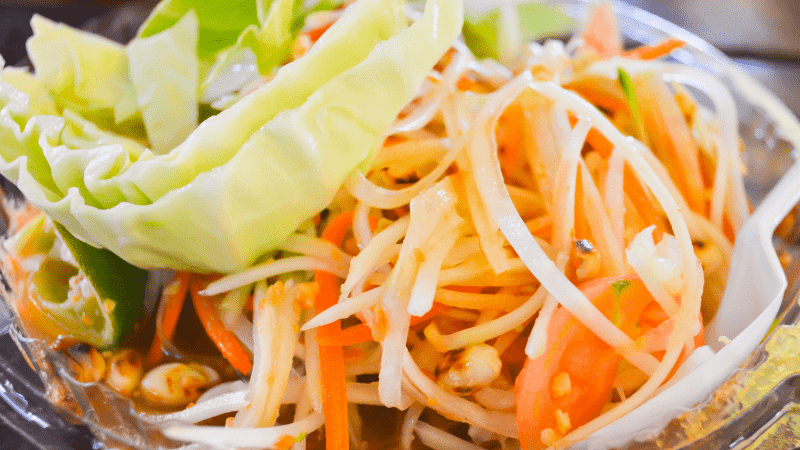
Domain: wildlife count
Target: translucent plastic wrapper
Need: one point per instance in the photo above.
(711, 402)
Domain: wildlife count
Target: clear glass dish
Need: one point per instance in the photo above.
(757, 407)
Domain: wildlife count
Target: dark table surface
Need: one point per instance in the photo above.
(761, 35)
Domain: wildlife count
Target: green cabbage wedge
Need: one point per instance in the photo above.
(244, 179)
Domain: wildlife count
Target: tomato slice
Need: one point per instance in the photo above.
(570, 383)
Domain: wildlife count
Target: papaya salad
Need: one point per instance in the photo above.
(392, 235)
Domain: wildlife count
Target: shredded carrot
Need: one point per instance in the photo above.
(541, 227)
(634, 222)
(391, 140)
(663, 48)
(599, 143)
(354, 354)
(727, 228)
(172, 296)
(512, 129)
(334, 401)
(597, 91)
(596, 140)
(361, 333)
(436, 310)
(582, 228)
(226, 341)
(284, 443)
(642, 202)
(317, 33)
(465, 83)
(469, 289)
(671, 138)
(356, 334)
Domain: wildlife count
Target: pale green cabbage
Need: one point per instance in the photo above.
(220, 21)
(164, 70)
(269, 45)
(245, 178)
(88, 72)
(155, 84)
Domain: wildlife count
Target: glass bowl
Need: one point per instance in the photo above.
(757, 407)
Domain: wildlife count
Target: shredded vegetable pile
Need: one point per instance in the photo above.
(528, 248)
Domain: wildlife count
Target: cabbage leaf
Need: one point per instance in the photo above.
(220, 21)
(185, 52)
(486, 37)
(246, 178)
(89, 73)
(269, 46)
(164, 70)
(225, 24)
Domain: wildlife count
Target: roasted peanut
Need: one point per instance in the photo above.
(124, 371)
(468, 370)
(175, 385)
(87, 363)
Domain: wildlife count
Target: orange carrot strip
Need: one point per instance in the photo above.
(465, 83)
(598, 95)
(513, 122)
(642, 202)
(634, 221)
(172, 296)
(356, 334)
(334, 401)
(436, 309)
(582, 228)
(226, 341)
(671, 138)
(331, 339)
(284, 443)
(596, 140)
(361, 333)
(540, 226)
(727, 228)
(318, 32)
(469, 289)
(599, 143)
(663, 48)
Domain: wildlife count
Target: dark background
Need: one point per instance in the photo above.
(763, 36)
